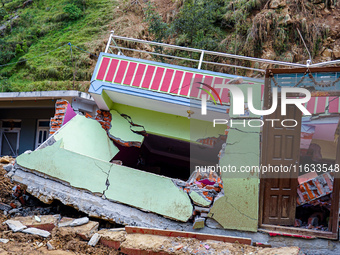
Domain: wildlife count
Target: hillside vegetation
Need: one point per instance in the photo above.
(34, 34)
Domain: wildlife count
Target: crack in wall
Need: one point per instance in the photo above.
(101, 168)
(233, 143)
(242, 131)
(107, 182)
(239, 210)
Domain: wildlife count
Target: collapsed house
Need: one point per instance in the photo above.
(150, 156)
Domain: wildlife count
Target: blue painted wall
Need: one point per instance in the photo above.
(29, 118)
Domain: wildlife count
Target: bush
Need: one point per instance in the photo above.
(72, 11)
(3, 13)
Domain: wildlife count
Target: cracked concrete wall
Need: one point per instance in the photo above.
(120, 130)
(169, 125)
(149, 192)
(238, 208)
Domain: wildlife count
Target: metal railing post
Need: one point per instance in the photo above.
(109, 41)
(201, 60)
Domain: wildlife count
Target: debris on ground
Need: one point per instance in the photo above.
(94, 240)
(30, 229)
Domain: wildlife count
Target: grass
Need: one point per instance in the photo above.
(44, 26)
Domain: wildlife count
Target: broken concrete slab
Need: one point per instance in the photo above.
(149, 192)
(50, 246)
(87, 137)
(8, 167)
(15, 225)
(198, 223)
(143, 190)
(69, 222)
(2, 240)
(120, 131)
(94, 240)
(36, 231)
(65, 222)
(199, 200)
(47, 190)
(79, 222)
(201, 209)
(47, 222)
(78, 170)
(84, 230)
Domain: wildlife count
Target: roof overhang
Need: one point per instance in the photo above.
(161, 87)
(43, 99)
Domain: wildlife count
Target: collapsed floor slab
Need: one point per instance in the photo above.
(47, 190)
(149, 192)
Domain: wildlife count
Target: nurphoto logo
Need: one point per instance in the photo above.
(238, 104)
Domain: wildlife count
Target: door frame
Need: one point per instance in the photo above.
(334, 211)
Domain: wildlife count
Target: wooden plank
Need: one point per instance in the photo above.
(297, 232)
(199, 236)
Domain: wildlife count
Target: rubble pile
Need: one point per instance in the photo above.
(203, 188)
(5, 184)
(207, 184)
(314, 201)
(315, 188)
(53, 232)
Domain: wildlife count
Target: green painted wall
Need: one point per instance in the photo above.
(238, 208)
(150, 192)
(86, 136)
(167, 125)
(78, 170)
(136, 188)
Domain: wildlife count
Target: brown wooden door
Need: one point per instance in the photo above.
(333, 224)
(281, 147)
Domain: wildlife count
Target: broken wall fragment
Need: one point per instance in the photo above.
(238, 208)
(87, 137)
(129, 186)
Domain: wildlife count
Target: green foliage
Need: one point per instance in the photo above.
(159, 29)
(72, 11)
(5, 85)
(3, 13)
(44, 26)
(18, 50)
(24, 47)
(196, 23)
(7, 51)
